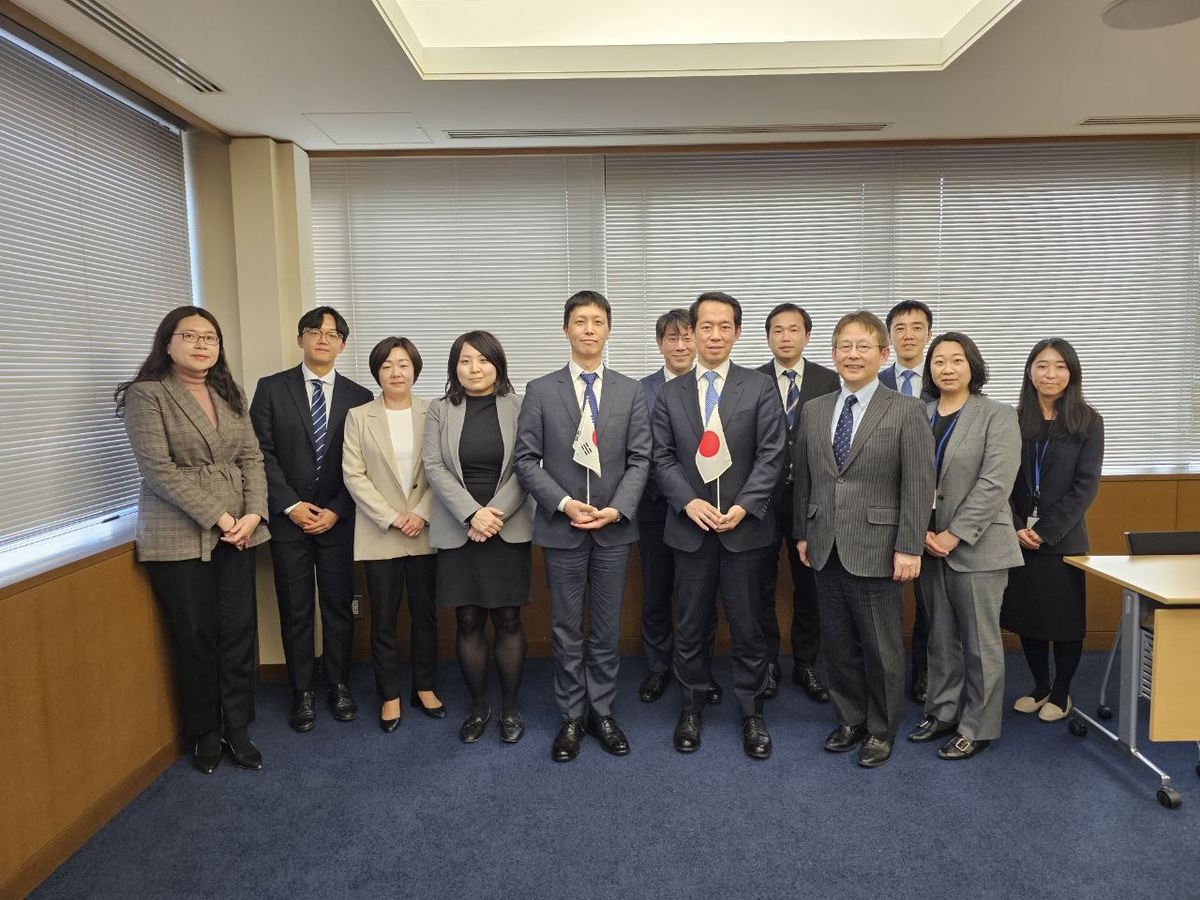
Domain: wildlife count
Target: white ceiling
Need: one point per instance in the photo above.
(318, 72)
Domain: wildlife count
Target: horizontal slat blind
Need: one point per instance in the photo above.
(93, 252)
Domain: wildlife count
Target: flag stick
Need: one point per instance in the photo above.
(587, 474)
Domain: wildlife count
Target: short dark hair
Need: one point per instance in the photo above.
(1074, 415)
(866, 319)
(676, 318)
(979, 369)
(315, 318)
(381, 351)
(715, 297)
(792, 308)
(908, 306)
(584, 298)
(490, 349)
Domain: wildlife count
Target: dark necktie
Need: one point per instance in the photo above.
(843, 432)
(792, 405)
(320, 420)
(589, 394)
(906, 388)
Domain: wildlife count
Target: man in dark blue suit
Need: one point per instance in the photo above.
(299, 416)
(673, 335)
(718, 450)
(797, 380)
(583, 453)
(910, 329)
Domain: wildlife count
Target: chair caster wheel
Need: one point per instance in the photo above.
(1169, 797)
(1104, 712)
(1077, 728)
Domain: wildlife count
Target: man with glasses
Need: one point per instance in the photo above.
(864, 483)
(300, 415)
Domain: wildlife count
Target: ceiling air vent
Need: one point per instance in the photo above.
(1142, 120)
(120, 28)
(482, 134)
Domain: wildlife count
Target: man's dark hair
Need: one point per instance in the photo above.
(586, 298)
(315, 318)
(676, 319)
(715, 297)
(908, 306)
(792, 308)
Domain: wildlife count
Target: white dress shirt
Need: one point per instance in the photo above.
(859, 409)
(702, 384)
(784, 383)
(916, 380)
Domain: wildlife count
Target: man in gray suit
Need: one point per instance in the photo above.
(583, 453)
(863, 464)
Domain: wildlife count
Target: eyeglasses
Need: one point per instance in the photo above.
(191, 337)
(318, 333)
(861, 347)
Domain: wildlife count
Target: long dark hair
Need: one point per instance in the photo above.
(490, 349)
(1072, 414)
(979, 369)
(158, 364)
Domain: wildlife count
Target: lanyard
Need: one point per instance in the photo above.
(1038, 456)
(941, 447)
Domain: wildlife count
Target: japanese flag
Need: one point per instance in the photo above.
(587, 451)
(712, 456)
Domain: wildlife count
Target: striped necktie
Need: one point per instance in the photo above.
(793, 397)
(320, 420)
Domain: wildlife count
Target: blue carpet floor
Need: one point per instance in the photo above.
(347, 811)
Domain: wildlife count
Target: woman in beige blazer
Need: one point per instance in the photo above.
(381, 464)
(202, 500)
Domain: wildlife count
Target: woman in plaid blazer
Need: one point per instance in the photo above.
(202, 501)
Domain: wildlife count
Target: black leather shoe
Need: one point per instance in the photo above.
(930, 728)
(845, 738)
(807, 679)
(687, 731)
(874, 752)
(434, 712)
(755, 739)
(919, 686)
(512, 727)
(566, 743)
(609, 734)
(960, 747)
(341, 702)
(714, 695)
(773, 676)
(474, 726)
(303, 717)
(242, 749)
(653, 686)
(206, 755)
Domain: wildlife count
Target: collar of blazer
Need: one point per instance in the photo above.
(874, 414)
(735, 383)
(609, 389)
(302, 397)
(966, 416)
(195, 413)
(507, 409)
(381, 435)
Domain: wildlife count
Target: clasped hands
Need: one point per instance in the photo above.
(312, 519)
(1029, 539)
(238, 531)
(709, 518)
(485, 524)
(587, 517)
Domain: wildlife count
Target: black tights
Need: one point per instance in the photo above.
(1066, 661)
(508, 648)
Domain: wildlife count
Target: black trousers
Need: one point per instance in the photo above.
(301, 568)
(658, 588)
(806, 613)
(213, 619)
(388, 580)
(739, 578)
(920, 632)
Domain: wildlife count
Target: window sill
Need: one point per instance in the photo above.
(44, 559)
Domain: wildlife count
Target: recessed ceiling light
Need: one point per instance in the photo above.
(1136, 15)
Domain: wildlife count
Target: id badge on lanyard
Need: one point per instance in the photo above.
(1038, 456)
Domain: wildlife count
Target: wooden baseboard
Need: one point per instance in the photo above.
(38, 867)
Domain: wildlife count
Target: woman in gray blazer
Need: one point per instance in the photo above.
(482, 524)
(201, 505)
(969, 548)
(381, 466)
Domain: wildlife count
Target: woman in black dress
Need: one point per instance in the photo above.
(1061, 459)
(482, 525)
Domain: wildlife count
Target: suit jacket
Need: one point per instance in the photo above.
(371, 478)
(752, 419)
(653, 507)
(192, 473)
(283, 422)
(816, 381)
(979, 465)
(453, 505)
(887, 377)
(879, 504)
(546, 468)
(1070, 480)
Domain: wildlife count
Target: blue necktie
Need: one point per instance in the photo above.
(589, 395)
(843, 432)
(711, 397)
(793, 397)
(906, 388)
(319, 420)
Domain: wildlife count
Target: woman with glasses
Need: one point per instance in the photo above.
(1061, 460)
(381, 464)
(201, 505)
(482, 525)
(969, 549)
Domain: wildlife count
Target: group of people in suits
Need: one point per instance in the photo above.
(871, 475)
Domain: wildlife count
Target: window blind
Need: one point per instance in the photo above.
(93, 252)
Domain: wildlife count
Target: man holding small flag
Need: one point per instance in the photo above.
(719, 442)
